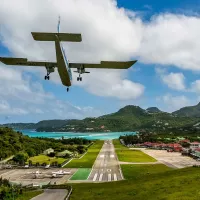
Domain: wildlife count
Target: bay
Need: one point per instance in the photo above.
(89, 136)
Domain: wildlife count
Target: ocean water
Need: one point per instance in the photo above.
(89, 136)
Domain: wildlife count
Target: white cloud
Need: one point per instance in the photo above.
(174, 81)
(21, 96)
(172, 103)
(172, 39)
(195, 86)
(111, 84)
(6, 109)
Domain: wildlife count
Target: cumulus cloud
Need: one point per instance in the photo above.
(195, 86)
(21, 96)
(172, 103)
(172, 39)
(174, 81)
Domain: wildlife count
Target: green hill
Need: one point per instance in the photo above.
(153, 110)
(129, 118)
(190, 111)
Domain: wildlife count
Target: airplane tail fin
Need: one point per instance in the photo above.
(58, 24)
(67, 37)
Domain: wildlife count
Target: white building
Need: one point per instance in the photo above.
(48, 151)
(194, 145)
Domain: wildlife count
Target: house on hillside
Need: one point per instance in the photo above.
(64, 153)
(184, 141)
(89, 129)
(48, 151)
(175, 147)
(194, 145)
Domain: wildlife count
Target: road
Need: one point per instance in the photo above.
(52, 194)
(106, 166)
(5, 160)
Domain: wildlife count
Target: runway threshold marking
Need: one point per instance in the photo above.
(100, 177)
(115, 177)
(112, 156)
(95, 177)
(101, 156)
(109, 177)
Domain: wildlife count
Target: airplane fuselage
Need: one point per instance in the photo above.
(62, 64)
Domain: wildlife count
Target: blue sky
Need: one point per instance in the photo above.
(158, 35)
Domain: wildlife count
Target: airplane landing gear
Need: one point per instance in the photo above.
(49, 70)
(79, 78)
(67, 89)
(47, 77)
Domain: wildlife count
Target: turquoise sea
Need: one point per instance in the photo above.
(90, 136)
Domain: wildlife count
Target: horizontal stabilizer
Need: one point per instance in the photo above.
(25, 62)
(67, 37)
(104, 65)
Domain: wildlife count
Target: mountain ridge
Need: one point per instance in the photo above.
(128, 118)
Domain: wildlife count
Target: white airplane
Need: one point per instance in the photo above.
(63, 65)
(61, 172)
(47, 166)
(36, 173)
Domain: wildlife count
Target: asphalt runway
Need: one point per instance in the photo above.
(106, 167)
(58, 194)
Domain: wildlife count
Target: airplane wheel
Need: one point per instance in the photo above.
(48, 77)
(45, 77)
(80, 78)
(67, 89)
(77, 78)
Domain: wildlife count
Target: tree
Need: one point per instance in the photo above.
(31, 152)
(186, 145)
(81, 149)
(52, 154)
(30, 163)
(20, 157)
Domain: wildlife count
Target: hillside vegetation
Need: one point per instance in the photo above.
(12, 143)
(129, 118)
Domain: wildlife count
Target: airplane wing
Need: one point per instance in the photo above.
(104, 65)
(25, 62)
(67, 37)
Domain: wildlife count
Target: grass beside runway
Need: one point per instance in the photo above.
(144, 182)
(127, 155)
(46, 159)
(89, 158)
(29, 195)
(81, 174)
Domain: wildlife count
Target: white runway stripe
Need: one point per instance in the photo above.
(101, 156)
(112, 156)
(115, 177)
(100, 177)
(109, 177)
(95, 177)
